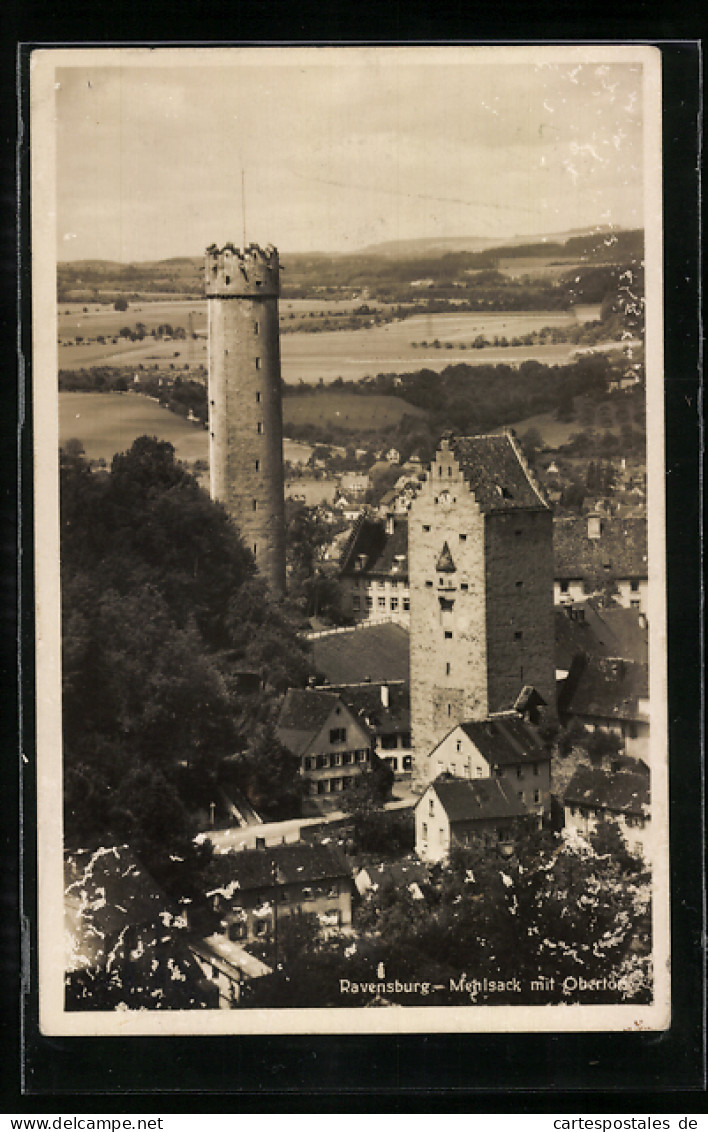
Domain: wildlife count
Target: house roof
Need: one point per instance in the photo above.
(400, 873)
(600, 632)
(303, 714)
(480, 799)
(620, 551)
(378, 549)
(608, 689)
(497, 473)
(505, 740)
(379, 652)
(622, 792)
(365, 701)
(301, 862)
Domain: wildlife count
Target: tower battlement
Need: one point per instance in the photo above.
(228, 271)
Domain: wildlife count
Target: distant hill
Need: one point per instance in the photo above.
(430, 245)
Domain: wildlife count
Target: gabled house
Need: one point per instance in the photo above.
(333, 745)
(503, 747)
(385, 709)
(595, 795)
(594, 553)
(374, 571)
(457, 811)
(609, 694)
(255, 890)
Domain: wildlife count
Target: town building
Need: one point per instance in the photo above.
(481, 585)
(503, 747)
(256, 890)
(457, 811)
(332, 744)
(228, 966)
(594, 795)
(596, 554)
(245, 400)
(589, 629)
(611, 695)
(374, 571)
(385, 709)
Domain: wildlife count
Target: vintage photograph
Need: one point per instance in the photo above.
(347, 380)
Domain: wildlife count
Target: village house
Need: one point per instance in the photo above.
(256, 890)
(458, 811)
(611, 695)
(374, 571)
(595, 795)
(333, 745)
(503, 747)
(385, 709)
(596, 553)
(228, 966)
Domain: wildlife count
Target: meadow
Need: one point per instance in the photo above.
(311, 358)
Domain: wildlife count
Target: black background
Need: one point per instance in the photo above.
(516, 1073)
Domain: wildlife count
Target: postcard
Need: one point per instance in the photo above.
(350, 553)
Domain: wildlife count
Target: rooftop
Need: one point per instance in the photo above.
(600, 632)
(299, 863)
(303, 714)
(484, 798)
(365, 700)
(622, 792)
(505, 740)
(620, 551)
(368, 652)
(371, 550)
(497, 473)
(607, 688)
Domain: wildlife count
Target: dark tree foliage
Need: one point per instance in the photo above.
(161, 608)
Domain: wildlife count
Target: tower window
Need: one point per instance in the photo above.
(448, 634)
(255, 549)
(258, 465)
(426, 526)
(463, 538)
(518, 635)
(255, 328)
(255, 504)
(259, 427)
(449, 470)
(464, 586)
(258, 363)
(519, 584)
(227, 279)
(447, 673)
(258, 398)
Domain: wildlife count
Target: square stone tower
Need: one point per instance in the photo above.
(481, 586)
(245, 400)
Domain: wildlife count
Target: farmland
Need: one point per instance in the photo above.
(422, 340)
(348, 411)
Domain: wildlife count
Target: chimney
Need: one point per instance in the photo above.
(594, 526)
(385, 698)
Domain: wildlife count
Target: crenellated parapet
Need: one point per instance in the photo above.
(230, 272)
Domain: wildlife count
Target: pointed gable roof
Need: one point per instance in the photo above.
(497, 473)
(484, 798)
(304, 713)
(445, 563)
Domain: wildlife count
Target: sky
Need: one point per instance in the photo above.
(339, 148)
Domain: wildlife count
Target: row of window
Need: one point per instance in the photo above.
(381, 583)
(332, 785)
(631, 821)
(338, 758)
(381, 603)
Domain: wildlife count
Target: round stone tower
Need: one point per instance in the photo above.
(245, 405)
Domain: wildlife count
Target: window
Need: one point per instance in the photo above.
(564, 587)
(519, 584)
(447, 673)
(369, 601)
(255, 328)
(407, 762)
(261, 927)
(394, 603)
(426, 527)
(255, 504)
(258, 397)
(323, 786)
(537, 796)
(536, 769)
(389, 742)
(499, 771)
(634, 603)
(381, 603)
(356, 603)
(519, 772)
(478, 771)
(347, 758)
(518, 532)
(406, 604)
(424, 831)
(362, 756)
(310, 762)
(381, 584)
(258, 363)
(255, 549)
(258, 465)
(431, 806)
(429, 584)
(518, 635)
(336, 784)
(335, 759)
(448, 635)
(259, 428)
(464, 586)
(237, 930)
(322, 761)
(463, 538)
(449, 706)
(337, 734)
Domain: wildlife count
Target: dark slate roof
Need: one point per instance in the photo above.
(400, 873)
(303, 714)
(299, 863)
(497, 473)
(379, 549)
(365, 701)
(480, 799)
(376, 652)
(505, 740)
(609, 689)
(621, 793)
(600, 632)
(619, 552)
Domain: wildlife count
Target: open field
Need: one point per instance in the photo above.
(107, 423)
(608, 415)
(350, 354)
(346, 410)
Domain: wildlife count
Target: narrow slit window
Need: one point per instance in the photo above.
(258, 363)
(259, 427)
